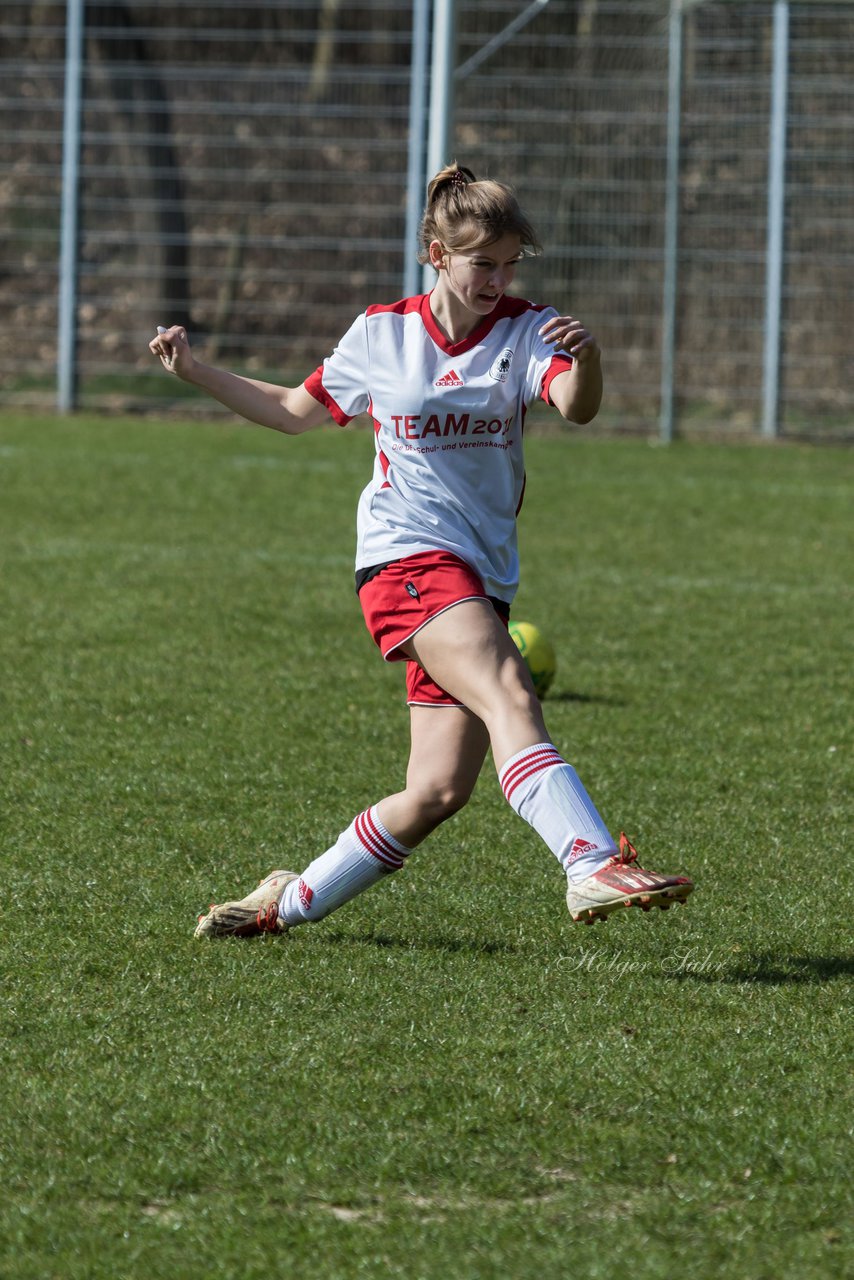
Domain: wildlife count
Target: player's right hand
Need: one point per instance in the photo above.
(172, 347)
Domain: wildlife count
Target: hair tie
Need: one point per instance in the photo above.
(458, 180)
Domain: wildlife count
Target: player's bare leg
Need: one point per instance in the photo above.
(468, 652)
(448, 746)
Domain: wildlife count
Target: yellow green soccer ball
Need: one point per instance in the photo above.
(538, 654)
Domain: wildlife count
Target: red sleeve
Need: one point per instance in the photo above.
(314, 386)
(559, 364)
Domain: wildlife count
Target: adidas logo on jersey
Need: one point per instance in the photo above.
(451, 379)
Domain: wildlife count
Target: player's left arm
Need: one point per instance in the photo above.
(577, 393)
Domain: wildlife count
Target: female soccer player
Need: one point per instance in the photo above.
(447, 378)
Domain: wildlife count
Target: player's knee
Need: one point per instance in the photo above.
(442, 800)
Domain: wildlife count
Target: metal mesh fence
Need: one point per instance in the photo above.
(243, 169)
(723, 228)
(574, 111)
(818, 364)
(723, 180)
(240, 172)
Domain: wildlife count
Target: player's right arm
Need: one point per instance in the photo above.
(288, 409)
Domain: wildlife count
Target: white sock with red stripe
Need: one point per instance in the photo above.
(550, 796)
(361, 856)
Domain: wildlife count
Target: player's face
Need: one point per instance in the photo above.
(480, 277)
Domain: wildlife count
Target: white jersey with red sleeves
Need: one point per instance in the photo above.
(448, 419)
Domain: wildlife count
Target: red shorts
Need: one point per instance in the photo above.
(407, 594)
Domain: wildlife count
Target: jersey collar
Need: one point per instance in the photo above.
(506, 307)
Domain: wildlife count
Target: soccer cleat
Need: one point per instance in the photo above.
(257, 913)
(621, 883)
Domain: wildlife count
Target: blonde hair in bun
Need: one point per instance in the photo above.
(466, 213)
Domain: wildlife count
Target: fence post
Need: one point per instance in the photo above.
(498, 41)
(417, 138)
(68, 250)
(443, 75)
(671, 221)
(776, 220)
(441, 121)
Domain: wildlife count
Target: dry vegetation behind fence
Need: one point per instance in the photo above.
(244, 170)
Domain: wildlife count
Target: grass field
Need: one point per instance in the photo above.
(446, 1079)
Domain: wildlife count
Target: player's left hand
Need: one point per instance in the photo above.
(568, 334)
(172, 347)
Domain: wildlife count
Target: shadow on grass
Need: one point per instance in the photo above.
(763, 968)
(767, 969)
(426, 942)
(594, 699)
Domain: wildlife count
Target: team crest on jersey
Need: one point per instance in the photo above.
(451, 379)
(501, 367)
